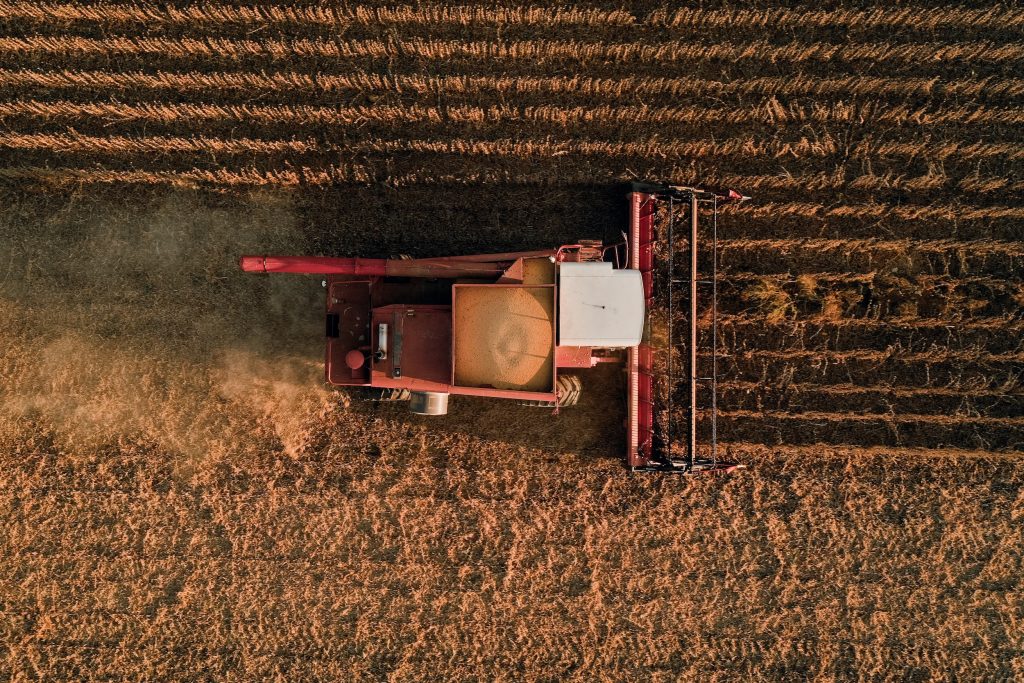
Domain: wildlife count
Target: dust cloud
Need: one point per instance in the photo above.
(133, 321)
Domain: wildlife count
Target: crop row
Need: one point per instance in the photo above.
(942, 368)
(769, 112)
(648, 148)
(337, 18)
(919, 18)
(223, 162)
(899, 257)
(914, 431)
(290, 83)
(871, 295)
(161, 164)
(751, 332)
(878, 400)
(73, 142)
(537, 52)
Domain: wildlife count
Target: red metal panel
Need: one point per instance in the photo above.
(574, 356)
(694, 207)
(505, 256)
(349, 301)
(325, 265)
(318, 265)
(505, 393)
(419, 340)
(486, 392)
(640, 362)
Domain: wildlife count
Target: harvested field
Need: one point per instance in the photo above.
(183, 498)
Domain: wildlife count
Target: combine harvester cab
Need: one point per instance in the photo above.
(516, 325)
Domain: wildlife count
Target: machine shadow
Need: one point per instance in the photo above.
(592, 430)
(453, 220)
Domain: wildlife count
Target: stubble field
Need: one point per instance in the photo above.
(183, 499)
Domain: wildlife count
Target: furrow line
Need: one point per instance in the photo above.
(334, 18)
(881, 389)
(918, 18)
(331, 174)
(824, 146)
(876, 211)
(291, 82)
(905, 246)
(854, 417)
(769, 112)
(534, 51)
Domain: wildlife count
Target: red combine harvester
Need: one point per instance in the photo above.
(522, 325)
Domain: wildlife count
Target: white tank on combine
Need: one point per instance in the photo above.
(599, 305)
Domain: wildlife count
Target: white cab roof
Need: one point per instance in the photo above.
(599, 305)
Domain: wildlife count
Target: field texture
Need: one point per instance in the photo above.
(182, 499)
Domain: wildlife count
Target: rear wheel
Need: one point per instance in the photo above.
(569, 388)
(377, 395)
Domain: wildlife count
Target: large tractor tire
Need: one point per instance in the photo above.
(376, 395)
(569, 389)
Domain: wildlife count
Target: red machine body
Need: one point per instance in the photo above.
(514, 325)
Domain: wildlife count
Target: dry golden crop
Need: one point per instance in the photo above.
(183, 499)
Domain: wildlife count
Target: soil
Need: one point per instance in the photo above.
(182, 497)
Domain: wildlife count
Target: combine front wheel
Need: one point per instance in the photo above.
(569, 388)
(381, 395)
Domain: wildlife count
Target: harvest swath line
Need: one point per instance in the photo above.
(591, 478)
(331, 18)
(290, 82)
(646, 149)
(331, 174)
(918, 18)
(940, 355)
(873, 417)
(882, 389)
(354, 172)
(535, 51)
(875, 400)
(767, 112)
(335, 18)
(878, 211)
(905, 246)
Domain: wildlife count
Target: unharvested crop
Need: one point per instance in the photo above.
(182, 498)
